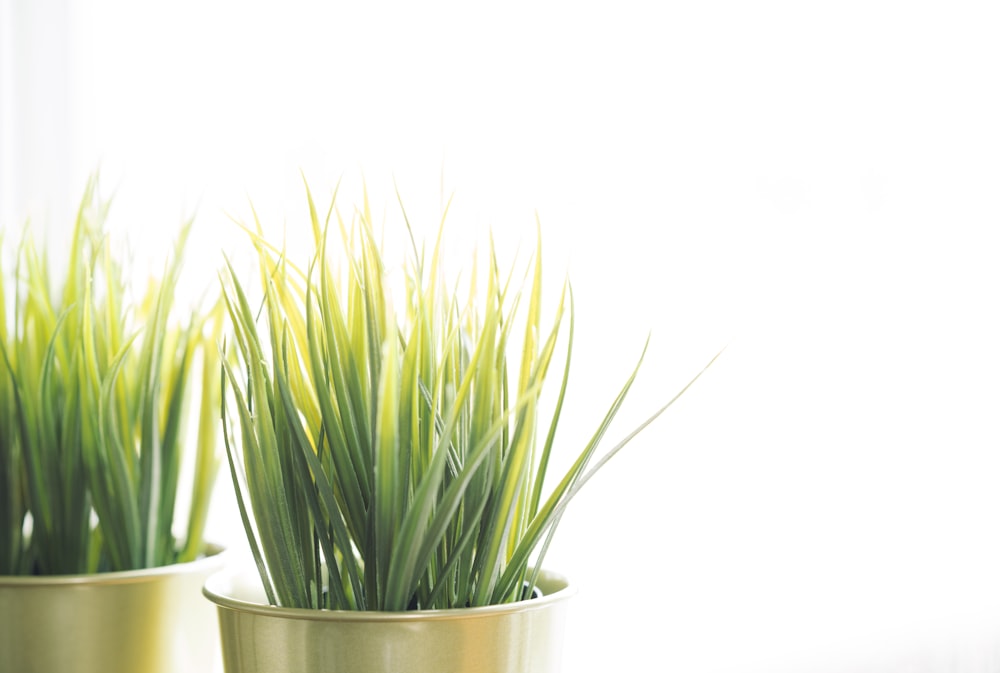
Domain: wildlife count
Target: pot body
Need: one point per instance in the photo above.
(153, 621)
(524, 637)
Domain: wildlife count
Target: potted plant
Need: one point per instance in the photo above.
(94, 388)
(390, 456)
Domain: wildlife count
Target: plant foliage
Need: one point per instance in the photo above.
(394, 457)
(93, 402)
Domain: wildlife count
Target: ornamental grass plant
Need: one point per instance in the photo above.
(95, 385)
(390, 451)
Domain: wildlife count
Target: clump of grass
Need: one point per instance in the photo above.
(394, 456)
(93, 400)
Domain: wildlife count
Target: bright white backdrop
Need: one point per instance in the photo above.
(814, 185)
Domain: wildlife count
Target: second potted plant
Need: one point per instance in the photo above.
(95, 573)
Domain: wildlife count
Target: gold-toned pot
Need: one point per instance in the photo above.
(138, 621)
(524, 637)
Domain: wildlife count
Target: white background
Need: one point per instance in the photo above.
(812, 184)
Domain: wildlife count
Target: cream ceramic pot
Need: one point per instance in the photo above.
(523, 637)
(138, 621)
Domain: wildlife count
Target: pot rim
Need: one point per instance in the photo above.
(214, 553)
(218, 590)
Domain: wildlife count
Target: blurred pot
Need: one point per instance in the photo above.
(523, 637)
(150, 620)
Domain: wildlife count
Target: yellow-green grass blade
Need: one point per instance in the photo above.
(207, 457)
(415, 523)
(278, 551)
(451, 498)
(151, 449)
(544, 518)
(347, 468)
(176, 377)
(545, 524)
(341, 368)
(320, 499)
(388, 501)
(263, 467)
(239, 484)
(543, 462)
(114, 480)
(290, 433)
